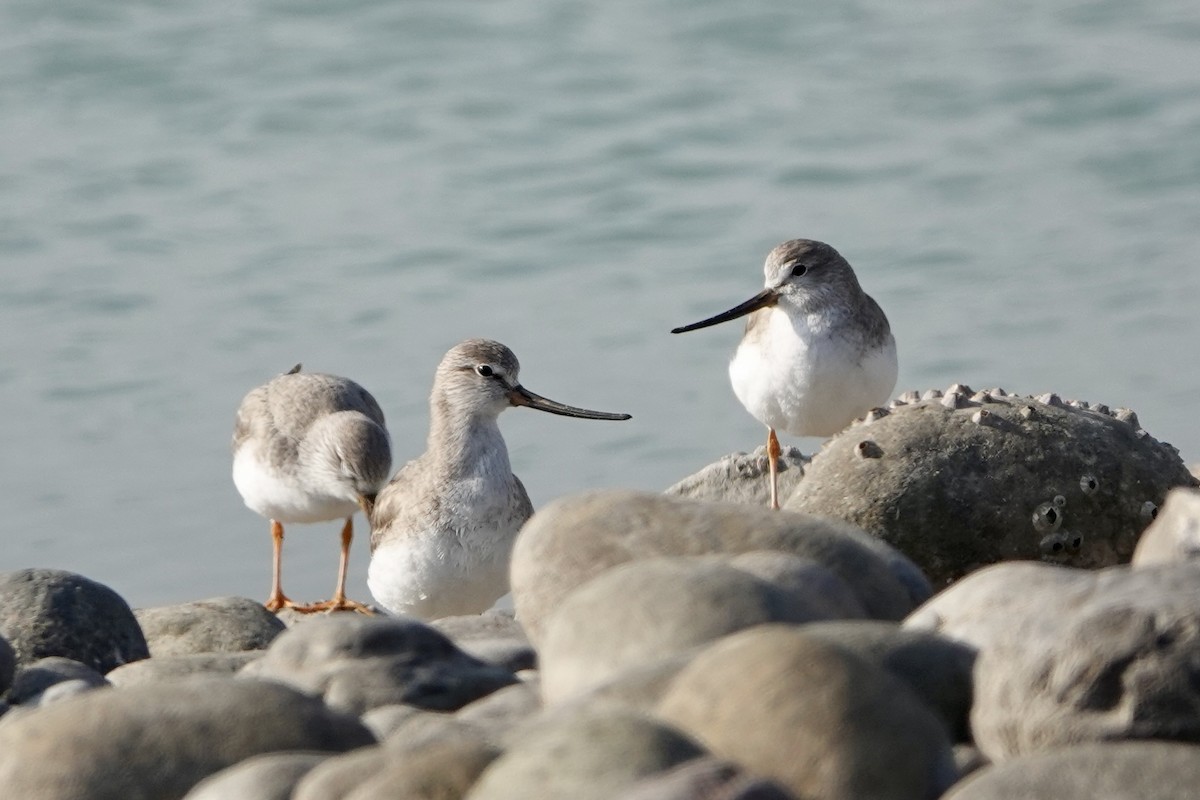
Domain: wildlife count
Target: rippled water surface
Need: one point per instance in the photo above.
(194, 197)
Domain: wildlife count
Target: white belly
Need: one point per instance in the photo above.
(287, 497)
(432, 575)
(807, 382)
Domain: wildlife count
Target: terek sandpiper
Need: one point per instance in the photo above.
(817, 352)
(310, 448)
(443, 528)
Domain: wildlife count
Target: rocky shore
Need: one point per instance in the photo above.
(969, 595)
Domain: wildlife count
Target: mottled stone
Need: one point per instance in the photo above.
(705, 778)
(637, 688)
(990, 477)
(821, 592)
(998, 600)
(494, 637)
(590, 755)
(268, 777)
(937, 669)
(219, 625)
(35, 678)
(427, 759)
(424, 727)
(160, 668)
(574, 539)
(155, 742)
(1095, 771)
(502, 710)
(1067, 656)
(357, 663)
(743, 478)
(647, 610)
(818, 719)
(438, 770)
(335, 778)
(49, 612)
(1174, 535)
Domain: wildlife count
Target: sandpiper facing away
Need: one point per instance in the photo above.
(442, 530)
(817, 352)
(310, 448)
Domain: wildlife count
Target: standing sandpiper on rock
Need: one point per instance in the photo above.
(442, 530)
(817, 352)
(310, 448)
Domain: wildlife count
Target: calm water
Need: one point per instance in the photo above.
(196, 197)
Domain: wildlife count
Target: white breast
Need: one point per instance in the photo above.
(454, 561)
(802, 377)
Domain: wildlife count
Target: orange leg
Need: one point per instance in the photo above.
(773, 453)
(339, 601)
(278, 599)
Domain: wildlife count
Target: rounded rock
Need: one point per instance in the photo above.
(219, 625)
(383, 721)
(49, 612)
(34, 679)
(437, 770)
(812, 716)
(647, 610)
(161, 668)
(937, 669)
(954, 495)
(502, 710)
(338, 776)
(494, 637)
(267, 777)
(157, 741)
(63, 690)
(427, 727)
(705, 778)
(634, 689)
(590, 755)
(976, 609)
(435, 761)
(1068, 656)
(1118, 770)
(357, 663)
(575, 538)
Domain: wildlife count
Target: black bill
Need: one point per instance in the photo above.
(520, 396)
(766, 297)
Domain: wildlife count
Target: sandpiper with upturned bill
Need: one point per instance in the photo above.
(817, 351)
(309, 447)
(442, 530)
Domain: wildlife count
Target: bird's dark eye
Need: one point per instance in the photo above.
(485, 370)
(798, 270)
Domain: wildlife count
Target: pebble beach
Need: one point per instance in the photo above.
(984, 587)
(689, 644)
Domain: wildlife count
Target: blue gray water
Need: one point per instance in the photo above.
(194, 197)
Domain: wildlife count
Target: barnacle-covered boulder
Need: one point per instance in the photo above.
(959, 479)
